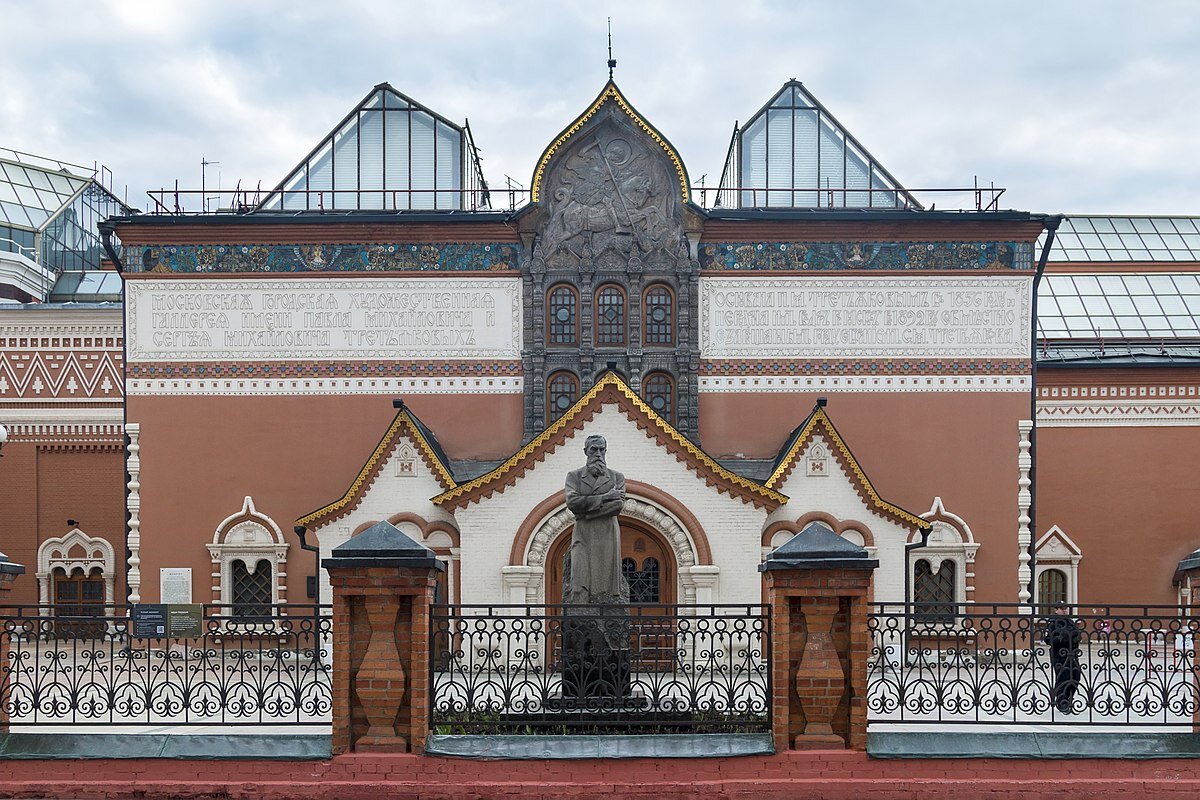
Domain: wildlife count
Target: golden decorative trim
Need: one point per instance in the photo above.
(820, 419)
(610, 92)
(402, 423)
(611, 380)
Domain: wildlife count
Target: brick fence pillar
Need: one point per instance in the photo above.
(818, 586)
(383, 583)
(8, 573)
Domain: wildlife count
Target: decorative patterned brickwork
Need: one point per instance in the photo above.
(380, 657)
(867, 367)
(819, 256)
(403, 257)
(240, 370)
(820, 649)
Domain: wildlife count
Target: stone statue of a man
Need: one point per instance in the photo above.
(595, 495)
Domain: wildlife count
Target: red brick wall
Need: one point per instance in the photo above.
(831, 775)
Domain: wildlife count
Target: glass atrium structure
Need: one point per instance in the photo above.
(389, 153)
(794, 154)
(49, 213)
(1092, 238)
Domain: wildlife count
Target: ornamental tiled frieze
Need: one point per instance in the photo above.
(404, 257)
(767, 256)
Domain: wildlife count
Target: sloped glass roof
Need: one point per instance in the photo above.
(1126, 306)
(794, 154)
(389, 153)
(1097, 238)
(90, 286)
(30, 195)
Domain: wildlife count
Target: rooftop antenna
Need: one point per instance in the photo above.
(204, 165)
(612, 62)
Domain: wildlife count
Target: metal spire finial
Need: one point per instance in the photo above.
(612, 62)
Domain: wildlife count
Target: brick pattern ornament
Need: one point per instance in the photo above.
(383, 583)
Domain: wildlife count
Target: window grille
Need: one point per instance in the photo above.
(561, 316)
(659, 322)
(561, 393)
(644, 583)
(251, 590)
(659, 392)
(934, 592)
(610, 316)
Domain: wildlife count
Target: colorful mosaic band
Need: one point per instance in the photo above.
(819, 256)
(330, 369)
(439, 257)
(883, 366)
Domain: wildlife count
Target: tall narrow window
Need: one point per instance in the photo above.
(251, 590)
(610, 316)
(659, 319)
(562, 390)
(561, 316)
(659, 391)
(1052, 588)
(934, 592)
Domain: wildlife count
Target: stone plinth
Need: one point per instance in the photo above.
(383, 583)
(818, 586)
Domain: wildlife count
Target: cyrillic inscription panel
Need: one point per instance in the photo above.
(281, 319)
(862, 317)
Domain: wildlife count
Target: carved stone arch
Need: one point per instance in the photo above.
(76, 550)
(250, 537)
(533, 542)
(949, 540)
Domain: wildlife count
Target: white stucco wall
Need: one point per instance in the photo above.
(833, 493)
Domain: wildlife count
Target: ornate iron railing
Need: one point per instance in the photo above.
(600, 669)
(983, 663)
(83, 666)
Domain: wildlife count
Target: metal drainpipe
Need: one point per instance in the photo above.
(1051, 225)
(106, 234)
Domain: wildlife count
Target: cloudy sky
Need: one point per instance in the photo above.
(1073, 106)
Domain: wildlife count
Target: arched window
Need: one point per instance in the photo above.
(659, 316)
(1052, 588)
(659, 391)
(562, 316)
(934, 591)
(610, 316)
(252, 590)
(562, 390)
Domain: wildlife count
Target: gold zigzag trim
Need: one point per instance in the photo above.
(610, 91)
(819, 417)
(566, 419)
(403, 421)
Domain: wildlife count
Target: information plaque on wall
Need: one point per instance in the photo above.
(168, 621)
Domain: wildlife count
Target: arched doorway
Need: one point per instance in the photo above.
(647, 562)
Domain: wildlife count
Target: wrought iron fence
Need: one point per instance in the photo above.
(983, 663)
(84, 666)
(600, 669)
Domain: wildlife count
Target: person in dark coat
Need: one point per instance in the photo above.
(1062, 635)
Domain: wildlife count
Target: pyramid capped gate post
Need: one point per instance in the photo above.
(383, 583)
(818, 587)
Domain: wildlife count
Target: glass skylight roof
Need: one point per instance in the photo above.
(29, 196)
(1088, 238)
(389, 153)
(794, 143)
(91, 286)
(1148, 306)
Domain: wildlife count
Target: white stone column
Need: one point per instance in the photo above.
(1024, 535)
(522, 584)
(133, 504)
(706, 579)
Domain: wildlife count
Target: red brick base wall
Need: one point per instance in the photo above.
(809, 774)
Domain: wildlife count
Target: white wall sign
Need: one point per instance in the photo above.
(323, 319)
(175, 585)
(864, 317)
